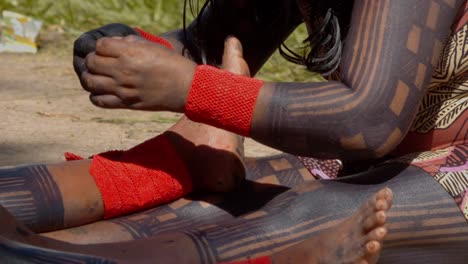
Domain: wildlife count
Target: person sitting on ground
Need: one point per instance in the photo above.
(365, 115)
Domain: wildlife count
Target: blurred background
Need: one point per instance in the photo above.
(72, 17)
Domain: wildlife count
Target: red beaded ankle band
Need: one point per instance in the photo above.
(261, 260)
(145, 176)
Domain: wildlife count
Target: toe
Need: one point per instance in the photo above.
(386, 195)
(377, 219)
(377, 234)
(372, 251)
(368, 208)
(382, 205)
(372, 247)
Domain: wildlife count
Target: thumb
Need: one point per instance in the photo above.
(233, 58)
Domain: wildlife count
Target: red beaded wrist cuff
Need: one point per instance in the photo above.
(222, 99)
(154, 38)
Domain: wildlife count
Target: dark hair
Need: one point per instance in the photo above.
(329, 23)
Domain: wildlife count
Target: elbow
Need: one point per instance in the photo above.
(382, 140)
(388, 144)
(370, 142)
(371, 135)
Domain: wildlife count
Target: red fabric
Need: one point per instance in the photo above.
(261, 260)
(145, 176)
(71, 156)
(222, 99)
(154, 38)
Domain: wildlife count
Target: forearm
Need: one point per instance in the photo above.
(328, 120)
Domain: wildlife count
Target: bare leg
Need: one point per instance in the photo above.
(266, 178)
(358, 239)
(425, 221)
(52, 197)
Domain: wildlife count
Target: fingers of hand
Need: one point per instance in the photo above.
(85, 44)
(100, 64)
(79, 65)
(98, 84)
(134, 38)
(117, 46)
(125, 98)
(107, 101)
(82, 47)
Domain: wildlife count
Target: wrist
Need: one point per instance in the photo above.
(185, 80)
(222, 99)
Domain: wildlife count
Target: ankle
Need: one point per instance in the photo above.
(143, 177)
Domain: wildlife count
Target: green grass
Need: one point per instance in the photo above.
(76, 16)
(157, 16)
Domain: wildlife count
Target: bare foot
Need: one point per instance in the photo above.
(216, 159)
(357, 240)
(213, 156)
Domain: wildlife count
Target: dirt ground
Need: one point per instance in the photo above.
(44, 112)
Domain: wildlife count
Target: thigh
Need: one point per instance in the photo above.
(433, 229)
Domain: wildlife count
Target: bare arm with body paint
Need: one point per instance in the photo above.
(389, 56)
